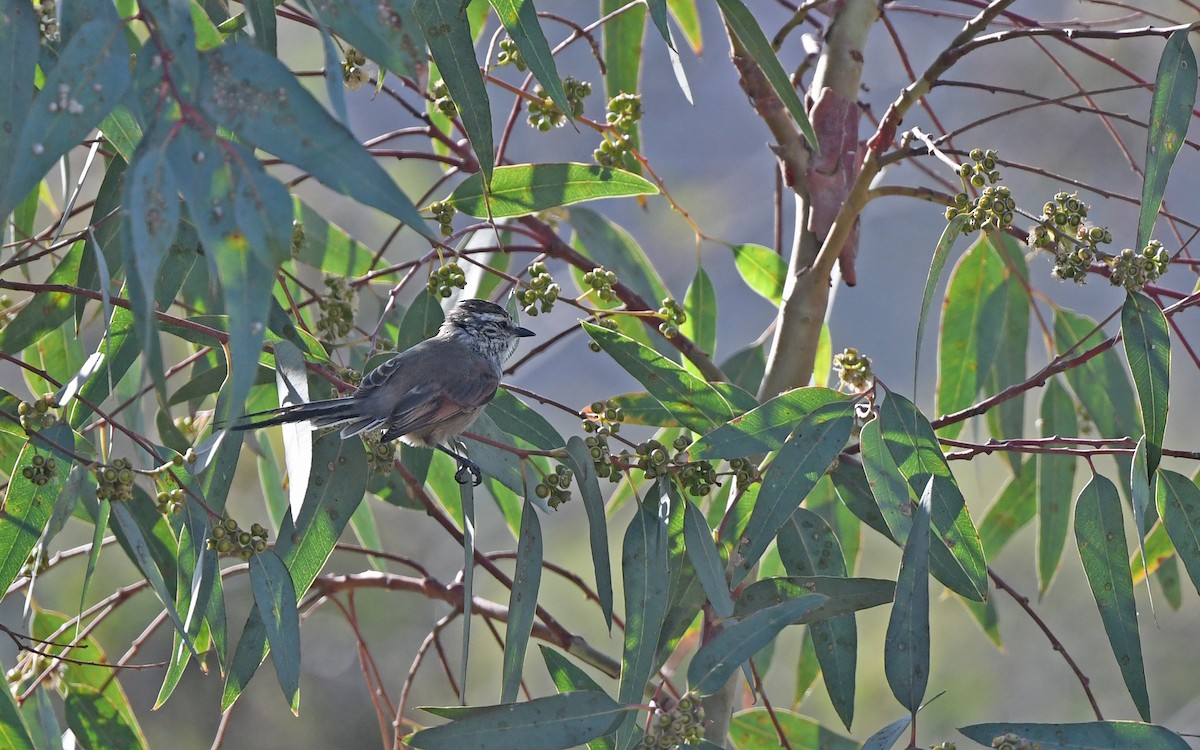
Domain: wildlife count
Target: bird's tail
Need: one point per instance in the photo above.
(325, 413)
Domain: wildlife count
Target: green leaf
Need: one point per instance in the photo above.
(261, 14)
(97, 719)
(807, 546)
(1013, 508)
(466, 494)
(46, 311)
(522, 602)
(755, 729)
(515, 417)
(700, 305)
(706, 560)
(887, 736)
(686, 594)
(580, 460)
(14, 734)
(906, 646)
(721, 656)
(645, 574)
(335, 488)
(1179, 507)
(764, 428)
(421, 321)
(684, 13)
(741, 22)
(695, 403)
(523, 189)
(1100, 535)
(763, 270)
(557, 721)
(1092, 735)
(893, 495)
(803, 459)
(1007, 419)
(745, 367)
(622, 42)
(1055, 482)
(520, 20)
(385, 32)
(1170, 115)
(567, 678)
(275, 598)
(941, 252)
(94, 69)
(19, 39)
(611, 246)
(843, 595)
(1148, 349)
(326, 246)
(257, 97)
(970, 334)
(27, 507)
(448, 34)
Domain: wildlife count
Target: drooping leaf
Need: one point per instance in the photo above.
(721, 656)
(1100, 534)
(14, 734)
(763, 270)
(1179, 507)
(743, 25)
(745, 367)
(1148, 349)
(19, 38)
(28, 506)
(906, 647)
(1170, 115)
(448, 34)
(694, 402)
(384, 32)
(1055, 482)
(519, 18)
(622, 48)
(557, 721)
(886, 737)
(755, 729)
(842, 595)
(1014, 507)
(522, 602)
(706, 560)
(523, 189)
(684, 13)
(96, 719)
(1007, 419)
(950, 234)
(764, 428)
(275, 598)
(580, 460)
(700, 305)
(1092, 735)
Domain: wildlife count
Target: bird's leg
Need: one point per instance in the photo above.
(465, 466)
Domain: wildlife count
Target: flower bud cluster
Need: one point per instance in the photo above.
(995, 207)
(510, 54)
(169, 501)
(444, 279)
(115, 480)
(352, 69)
(545, 114)
(603, 418)
(40, 470)
(337, 309)
(440, 94)
(1134, 270)
(624, 112)
(1011, 741)
(443, 213)
(381, 457)
(227, 538)
(542, 289)
(606, 323)
(672, 315)
(853, 369)
(554, 489)
(601, 281)
(682, 724)
(36, 415)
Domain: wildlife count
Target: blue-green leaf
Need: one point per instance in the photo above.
(1055, 482)
(448, 34)
(385, 32)
(1148, 349)
(275, 597)
(1100, 535)
(1013, 508)
(695, 403)
(523, 189)
(611, 246)
(557, 721)
(803, 459)
(97, 719)
(741, 22)
(1170, 115)
(622, 42)
(1092, 735)
(519, 18)
(27, 506)
(1179, 506)
(950, 234)
(580, 460)
(522, 601)
(261, 14)
(906, 646)
(764, 428)
(755, 729)
(706, 560)
(716, 660)
(256, 96)
(887, 736)
(19, 39)
(700, 304)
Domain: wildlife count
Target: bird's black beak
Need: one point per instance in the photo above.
(523, 332)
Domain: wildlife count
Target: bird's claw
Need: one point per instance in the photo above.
(466, 467)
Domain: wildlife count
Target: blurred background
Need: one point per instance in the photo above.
(713, 156)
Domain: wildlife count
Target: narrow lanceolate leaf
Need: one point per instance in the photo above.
(803, 459)
(1013, 508)
(558, 721)
(1100, 534)
(970, 330)
(906, 647)
(28, 506)
(808, 547)
(951, 233)
(763, 270)
(13, 732)
(741, 22)
(764, 428)
(19, 38)
(755, 729)
(713, 664)
(886, 737)
(385, 32)
(842, 595)
(622, 41)
(1148, 349)
(95, 718)
(448, 34)
(522, 602)
(1092, 735)
(1055, 482)
(287, 121)
(1179, 506)
(90, 77)
(275, 597)
(523, 189)
(612, 246)
(893, 495)
(1007, 419)
(1170, 115)
(700, 304)
(706, 560)
(593, 503)
(519, 18)
(695, 403)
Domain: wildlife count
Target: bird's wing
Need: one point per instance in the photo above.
(466, 388)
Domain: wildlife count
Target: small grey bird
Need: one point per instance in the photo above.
(426, 395)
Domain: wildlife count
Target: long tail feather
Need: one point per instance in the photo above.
(320, 413)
